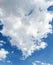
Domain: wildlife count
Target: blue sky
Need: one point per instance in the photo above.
(26, 32)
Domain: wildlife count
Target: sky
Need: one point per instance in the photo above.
(26, 32)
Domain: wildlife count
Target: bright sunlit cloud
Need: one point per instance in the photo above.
(3, 54)
(26, 22)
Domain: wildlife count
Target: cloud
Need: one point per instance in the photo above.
(26, 22)
(40, 63)
(3, 54)
(2, 42)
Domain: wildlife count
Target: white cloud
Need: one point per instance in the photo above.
(2, 42)
(26, 22)
(40, 63)
(3, 54)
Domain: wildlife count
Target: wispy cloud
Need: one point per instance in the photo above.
(40, 63)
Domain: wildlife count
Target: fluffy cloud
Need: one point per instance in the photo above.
(40, 63)
(26, 22)
(3, 54)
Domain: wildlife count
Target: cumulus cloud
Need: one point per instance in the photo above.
(40, 63)
(26, 22)
(3, 54)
